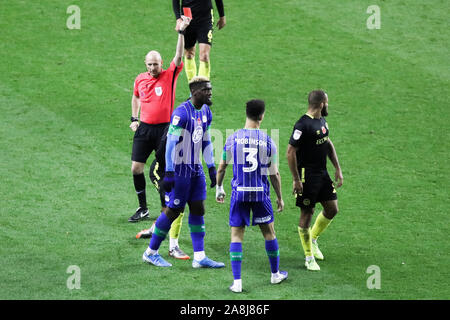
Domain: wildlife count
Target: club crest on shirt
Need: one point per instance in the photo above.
(158, 91)
(197, 135)
(297, 134)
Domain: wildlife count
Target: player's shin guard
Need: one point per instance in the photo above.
(204, 69)
(274, 254)
(139, 186)
(176, 227)
(320, 225)
(236, 259)
(191, 68)
(305, 237)
(197, 229)
(162, 227)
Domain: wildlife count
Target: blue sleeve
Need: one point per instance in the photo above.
(170, 151)
(273, 151)
(173, 136)
(209, 117)
(208, 149)
(228, 149)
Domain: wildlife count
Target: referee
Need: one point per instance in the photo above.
(307, 152)
(151, 107)
(200, 30)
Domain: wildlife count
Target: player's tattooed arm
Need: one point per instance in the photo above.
(297, 186)
(339, 179)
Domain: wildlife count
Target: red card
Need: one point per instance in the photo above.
(187, 12)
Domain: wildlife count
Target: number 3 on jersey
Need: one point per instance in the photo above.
(251, 158)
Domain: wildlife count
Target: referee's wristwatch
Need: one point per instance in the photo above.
(182, 32)
(133, 119)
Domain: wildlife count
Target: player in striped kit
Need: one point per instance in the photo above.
(253, 155)
(184, 180)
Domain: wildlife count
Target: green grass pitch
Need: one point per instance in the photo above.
(66, 189)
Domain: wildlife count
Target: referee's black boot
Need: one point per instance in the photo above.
(141, 214)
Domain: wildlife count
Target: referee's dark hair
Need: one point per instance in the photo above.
(255, 109)
(316, 97)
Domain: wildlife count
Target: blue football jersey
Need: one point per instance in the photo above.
(191, 125)
(251, 152)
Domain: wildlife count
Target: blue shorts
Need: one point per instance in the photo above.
(240, 212)
(186, 189)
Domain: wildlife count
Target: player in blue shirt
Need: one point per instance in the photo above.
(253, 155)
(184, 180)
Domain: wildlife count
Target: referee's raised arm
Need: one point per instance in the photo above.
(180, 44)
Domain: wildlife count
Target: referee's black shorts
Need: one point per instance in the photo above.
(201, 33)
(147, 138)
(317, 187)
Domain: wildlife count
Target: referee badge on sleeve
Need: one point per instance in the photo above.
(297, 134)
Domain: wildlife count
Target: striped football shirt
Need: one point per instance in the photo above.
(251, 152)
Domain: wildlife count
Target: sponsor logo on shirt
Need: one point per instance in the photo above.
(322, 140)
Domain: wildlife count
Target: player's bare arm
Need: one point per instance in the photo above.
(222, 22)
(339, 178)
(180, 44)
(135, 106)
(220, 192)
(275, 180)
(297, 186)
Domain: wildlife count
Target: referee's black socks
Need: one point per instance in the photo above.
(139, 186)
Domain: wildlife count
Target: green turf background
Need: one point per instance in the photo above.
(66, 190)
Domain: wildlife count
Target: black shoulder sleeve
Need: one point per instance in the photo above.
(296, 134)
(176, 8)
(220, 9)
